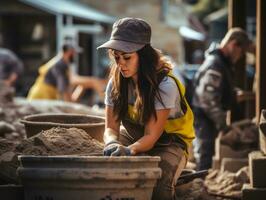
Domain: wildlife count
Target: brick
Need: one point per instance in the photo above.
(257, 165)
(249, 193)
(233, 164)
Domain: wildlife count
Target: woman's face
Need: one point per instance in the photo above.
(128, 63)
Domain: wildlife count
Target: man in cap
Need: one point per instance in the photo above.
(214, 93)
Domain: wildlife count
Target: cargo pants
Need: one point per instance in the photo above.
(173, 159)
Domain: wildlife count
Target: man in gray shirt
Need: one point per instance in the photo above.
(11, 67)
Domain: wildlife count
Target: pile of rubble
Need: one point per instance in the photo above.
(225, 183)
(10, 113)
(257, 164)
(217, 184)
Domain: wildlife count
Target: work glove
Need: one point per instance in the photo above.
(114, 148)
(121, 151)
(110, 148)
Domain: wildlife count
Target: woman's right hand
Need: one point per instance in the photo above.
(114, 148)
(110, 148)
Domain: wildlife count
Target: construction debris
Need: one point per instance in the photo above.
(227, 183)
(6, 93)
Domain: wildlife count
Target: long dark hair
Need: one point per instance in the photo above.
(152, 69)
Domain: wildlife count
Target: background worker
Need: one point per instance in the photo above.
(11, 67)
(149, 101)
(56, 81)
(214, 93)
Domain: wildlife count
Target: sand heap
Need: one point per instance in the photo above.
(60, 141)
(55, 141)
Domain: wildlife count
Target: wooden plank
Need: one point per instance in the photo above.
(260, 58)
(237, 13)
(237, 18)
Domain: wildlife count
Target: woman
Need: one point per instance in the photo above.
(149, 101)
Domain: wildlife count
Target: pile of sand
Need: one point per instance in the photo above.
(55, 141)
(60, 141)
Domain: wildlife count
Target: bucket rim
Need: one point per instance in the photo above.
(77, 158)
(27, 119)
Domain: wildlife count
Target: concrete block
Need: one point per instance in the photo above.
(233, 164)
(249, 193)
(216, 163)
(262, 130)
(227, 152)
(257, 166)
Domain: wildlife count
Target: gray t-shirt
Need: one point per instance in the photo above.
(9, 63)
(57, 76)
(169, 93)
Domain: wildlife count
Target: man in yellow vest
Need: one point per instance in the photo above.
(54, 76)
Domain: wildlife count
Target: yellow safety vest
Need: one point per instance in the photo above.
(181, 126)
(40, 89)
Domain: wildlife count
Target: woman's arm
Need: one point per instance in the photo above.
(112, 126)
(153, 130)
